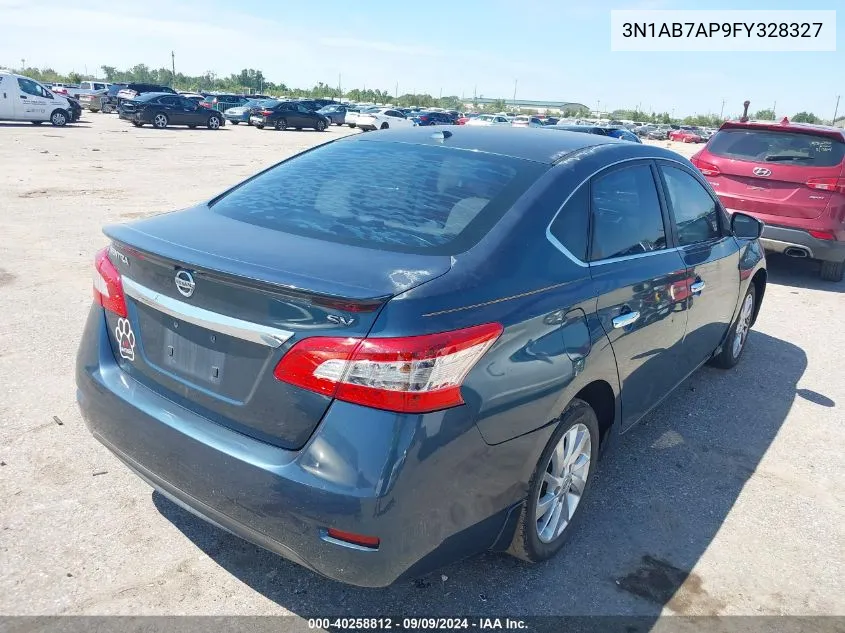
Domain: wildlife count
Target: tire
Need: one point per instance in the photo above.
(192, 127)
(384, 126)
(320, 126)
(213, 122)
(107, 109)
(732, 350)
(160, 120)
(137, 124)
(37, 122)
(577, 425)
(260, 126)
(281, 124)
(59, 118)
(832, 271)
(351, 124)
(234, 122)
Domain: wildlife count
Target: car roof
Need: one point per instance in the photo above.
(535, 144)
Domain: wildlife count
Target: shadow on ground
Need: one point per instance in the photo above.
(657, 502)
(798, 273)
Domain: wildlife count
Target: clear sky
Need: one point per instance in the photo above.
(553, 50)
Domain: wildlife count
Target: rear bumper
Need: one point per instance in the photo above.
(427, 485)
(240, 118)
(778, 239)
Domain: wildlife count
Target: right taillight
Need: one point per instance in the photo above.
(836, 185)
(108, 288)
(266, 112)
(707, 169)
(413, 374)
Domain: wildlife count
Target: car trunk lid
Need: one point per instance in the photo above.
(213, 309)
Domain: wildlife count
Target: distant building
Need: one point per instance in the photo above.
(543, 107)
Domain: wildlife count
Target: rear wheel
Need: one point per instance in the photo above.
(280, 124)
(351, 124)
(734, 344)
(160, 121)
(192, 126)
(321, 125)
(558, 485)
(137, 123)
(832, 271)
(384, 126)
(260, 126)
(213, 122)
(233, 122)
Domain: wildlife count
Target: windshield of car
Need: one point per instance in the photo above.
(791, 148)
(390, 196)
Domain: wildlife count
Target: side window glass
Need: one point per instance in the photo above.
(29, 87)
(626, 214)
(696, 214)
(571, 226)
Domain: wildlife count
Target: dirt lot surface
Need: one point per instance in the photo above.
(728, 499)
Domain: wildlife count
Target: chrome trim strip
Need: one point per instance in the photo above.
(612, 260)
(564, 250)
(246, 330)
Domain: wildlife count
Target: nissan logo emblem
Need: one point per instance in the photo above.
(762, 171)
(185, 283)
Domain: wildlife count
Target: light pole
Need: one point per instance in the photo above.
(173, 65)
(514, 93)
(774, 109)
(835, 110)
(722, 111)
(598, 108)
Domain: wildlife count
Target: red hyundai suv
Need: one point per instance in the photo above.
(789, 175)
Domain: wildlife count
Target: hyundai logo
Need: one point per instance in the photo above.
(762, 171)
(185, 283)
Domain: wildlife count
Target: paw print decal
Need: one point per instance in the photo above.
(125, 339)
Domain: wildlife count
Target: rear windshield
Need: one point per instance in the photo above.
(388, 196)
(788, 148)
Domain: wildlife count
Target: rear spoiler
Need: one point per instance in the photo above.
(784, 124)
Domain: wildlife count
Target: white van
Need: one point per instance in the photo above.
(24, 99)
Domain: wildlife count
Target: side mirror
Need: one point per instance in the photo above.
(746, 227)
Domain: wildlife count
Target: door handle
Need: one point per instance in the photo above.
(624, 320)
(697, 287)
(22, 96)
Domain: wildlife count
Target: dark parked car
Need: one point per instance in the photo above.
(612, 132)
(351, 372)
(163, 109)
(75, 109)
(287, 114)
(109, 103)
(133, 90)
(336, 113)
(434, 118)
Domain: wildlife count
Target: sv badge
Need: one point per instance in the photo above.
(341, 320)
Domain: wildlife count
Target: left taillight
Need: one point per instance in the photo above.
(108, 287)
(414, 374)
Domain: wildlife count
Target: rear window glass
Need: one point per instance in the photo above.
(788, 148)
(389, 196)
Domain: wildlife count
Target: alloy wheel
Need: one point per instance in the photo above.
(564, 482)
(743, 325)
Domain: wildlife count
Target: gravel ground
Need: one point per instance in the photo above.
(728, 499)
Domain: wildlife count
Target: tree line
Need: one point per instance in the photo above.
(252, 81)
